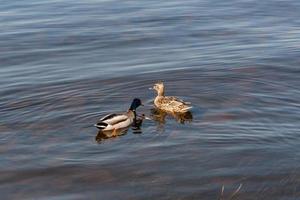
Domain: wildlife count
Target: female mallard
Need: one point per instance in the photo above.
(113, 122)
(169, 103)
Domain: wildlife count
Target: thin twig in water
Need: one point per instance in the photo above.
(236, 191)
(233, 194)
(222, 192)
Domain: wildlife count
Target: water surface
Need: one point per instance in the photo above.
(65, 63)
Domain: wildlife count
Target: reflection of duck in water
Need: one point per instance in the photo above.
(109, 134)
(137, 123)
(135, 126)
(168, 103)
(116, 122)
(160, 116)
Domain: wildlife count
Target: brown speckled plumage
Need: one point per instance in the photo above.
(169, 103)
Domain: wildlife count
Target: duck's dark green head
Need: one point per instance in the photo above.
(135, 103)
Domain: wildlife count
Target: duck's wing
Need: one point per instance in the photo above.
(175, 101)
(109, 116)
(113, 119)
(175, 104)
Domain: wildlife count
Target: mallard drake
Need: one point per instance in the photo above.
(169, 103)
(113, 122)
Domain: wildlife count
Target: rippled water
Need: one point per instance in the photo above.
(66, 63)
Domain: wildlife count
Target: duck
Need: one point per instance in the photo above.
(113, 122)
(169, 104)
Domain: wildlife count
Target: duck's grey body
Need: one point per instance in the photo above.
(116, 121)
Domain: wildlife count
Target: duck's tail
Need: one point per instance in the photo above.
(187, 108)
(101, 125)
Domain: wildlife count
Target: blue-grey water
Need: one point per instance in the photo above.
(66, 63)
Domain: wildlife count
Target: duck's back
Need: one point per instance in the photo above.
(171, 104)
